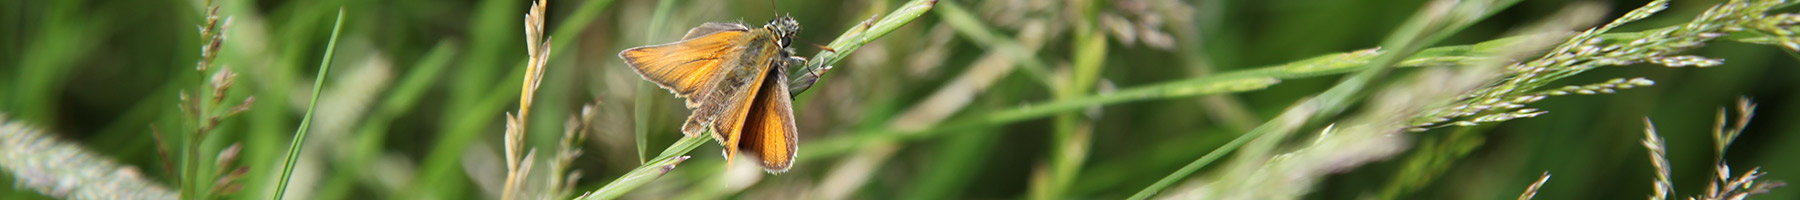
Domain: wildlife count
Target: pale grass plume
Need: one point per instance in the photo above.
(561, 180)
(1658, 160)
(1532, 190)
(57, 168)
(518, 167)
(1722, 185)
(1505, 99)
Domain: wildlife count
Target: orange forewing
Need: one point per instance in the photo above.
(688, 66)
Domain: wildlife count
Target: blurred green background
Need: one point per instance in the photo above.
(413, 106)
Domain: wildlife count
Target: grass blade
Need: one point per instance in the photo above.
(649, 171)
(293, 153)
(855, 38)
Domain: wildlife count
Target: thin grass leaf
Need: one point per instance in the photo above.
(648, 171)
(855, 38)
(293, 152)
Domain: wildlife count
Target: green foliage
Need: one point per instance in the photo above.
(917, 99)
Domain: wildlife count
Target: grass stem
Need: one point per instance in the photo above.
(293, 152)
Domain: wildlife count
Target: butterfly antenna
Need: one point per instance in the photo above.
(776, 9)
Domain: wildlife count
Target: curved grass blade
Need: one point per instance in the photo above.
(293, 153)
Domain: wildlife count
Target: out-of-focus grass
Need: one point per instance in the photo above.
(1090, 102)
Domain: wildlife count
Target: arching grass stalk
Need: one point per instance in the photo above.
(649, 171)
(853, 39)
(293, 153)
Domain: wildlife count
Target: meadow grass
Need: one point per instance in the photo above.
(917, 99)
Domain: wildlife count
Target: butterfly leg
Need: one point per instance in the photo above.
(805, 81)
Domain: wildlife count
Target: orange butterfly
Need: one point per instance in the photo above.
(735, 78)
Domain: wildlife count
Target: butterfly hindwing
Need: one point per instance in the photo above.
(768, 130)
(729, 123)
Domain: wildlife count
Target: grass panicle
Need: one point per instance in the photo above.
(1658, 160)
(204, 108)
(561, 181)
(58, 168)
(1505, 98)
(1531, 191)
(1722, 185)
(1434, 22)
(1436, 153)
(473, 112)
(1724, 134)
(518, 167)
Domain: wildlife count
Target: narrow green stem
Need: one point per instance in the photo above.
(293, 153)
(1071, 140)
(856, 37)
(646, 103)
(1192, 167)
(648, 171)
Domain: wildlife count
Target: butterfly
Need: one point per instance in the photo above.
(734, 79)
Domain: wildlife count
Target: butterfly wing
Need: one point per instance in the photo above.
(769, 128)
(691, 65)
(713, 27)
(756, 107)
(729, 123)
(729, 73)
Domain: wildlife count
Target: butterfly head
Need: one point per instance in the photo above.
(785, 27)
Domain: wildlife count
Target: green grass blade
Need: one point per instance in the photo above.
(855, 38)
(400, 99)
(648, 171)
(293, 153)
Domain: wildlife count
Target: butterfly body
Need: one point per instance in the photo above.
(734, 77)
